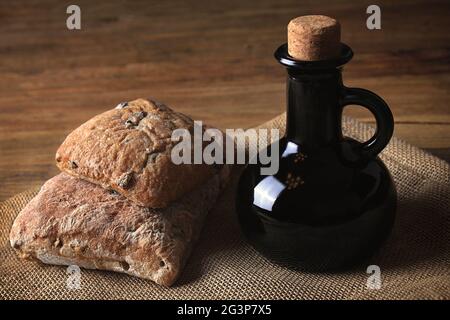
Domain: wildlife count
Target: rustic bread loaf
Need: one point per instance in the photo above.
(72, 221)
(128, 149)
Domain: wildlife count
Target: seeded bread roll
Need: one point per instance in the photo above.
(72, 221)
(128, 149)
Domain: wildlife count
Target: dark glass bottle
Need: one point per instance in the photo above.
(332, 202)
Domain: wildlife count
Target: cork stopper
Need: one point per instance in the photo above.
(314, 38)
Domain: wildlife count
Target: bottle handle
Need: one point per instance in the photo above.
(383, 116)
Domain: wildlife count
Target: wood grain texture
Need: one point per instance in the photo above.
(210, 59)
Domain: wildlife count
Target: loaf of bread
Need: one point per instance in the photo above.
(72, 221)
(128, 149)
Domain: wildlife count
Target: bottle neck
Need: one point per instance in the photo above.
(313, 112)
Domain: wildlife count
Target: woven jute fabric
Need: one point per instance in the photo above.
(414, 262)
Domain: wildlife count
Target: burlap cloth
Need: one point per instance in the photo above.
(414, 262)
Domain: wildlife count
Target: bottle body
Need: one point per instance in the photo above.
(332, 202)
(327, 213)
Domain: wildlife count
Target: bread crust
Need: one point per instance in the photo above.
(128, 149)
(72, 221)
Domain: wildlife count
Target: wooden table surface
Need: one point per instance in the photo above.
(210, 59)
